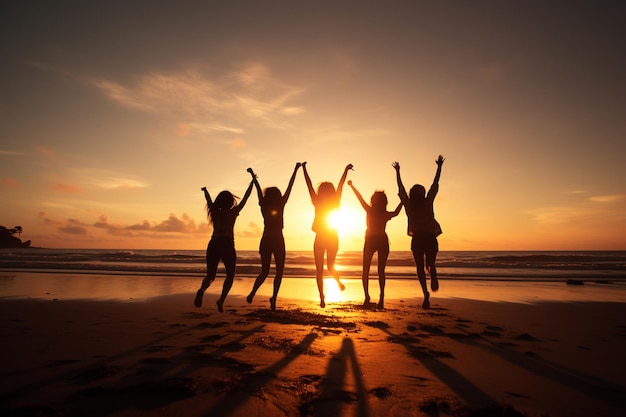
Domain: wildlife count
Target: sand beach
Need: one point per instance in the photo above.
(161, 356)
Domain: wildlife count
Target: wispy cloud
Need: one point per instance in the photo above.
(67, 189)
(45, 152)
(608, 198)
(206, 102)
(9, 183)
(557, 214)
(106, 179)
(4, 152)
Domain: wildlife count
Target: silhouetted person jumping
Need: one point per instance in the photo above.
(222, 214)
(272, 242)
(376, 239)
(325, 200)
(422, 227)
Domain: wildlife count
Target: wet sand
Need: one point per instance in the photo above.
(162, 356)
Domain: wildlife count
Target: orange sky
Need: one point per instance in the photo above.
(114, 115)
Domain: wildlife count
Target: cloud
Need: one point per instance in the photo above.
(106, 179)
(4, 152)
(251, 230)
(608, 198)
(237, 143)
(45, 152)
(208, 102)
(9, 183)
(68, 189)
(74, 227)
(47, 220)
(556, 214)
(172, 225)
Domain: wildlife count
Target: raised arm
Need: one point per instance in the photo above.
(401, 190)
(343, 179)
(309, 184)
(207, 196)
(439, 163)
(434, 188)
(240, 206)
(358, 195)
(256, 185)
(291, 181)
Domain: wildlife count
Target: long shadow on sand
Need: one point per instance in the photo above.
(584, 383)
(464, 388)
(69, 374)
(253, 382)
(333, 394)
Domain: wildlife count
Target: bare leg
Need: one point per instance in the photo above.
(212, 260)
(382, 262)
(229, 265)
(421, 275)
(331, 254)
(368, 253)
(280, 267)
(431, 257)
(318, 253)
(266, 258)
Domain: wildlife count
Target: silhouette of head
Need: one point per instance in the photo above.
(326, 191)
(224, 200)
(418, 192)
(272, 196)
(379, 200)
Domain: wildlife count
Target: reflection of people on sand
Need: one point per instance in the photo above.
(222, 213)
(376, 239)
(326, 201)
(422, 227)
(272, 242)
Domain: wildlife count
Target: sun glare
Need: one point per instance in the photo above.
(347, 221)
(332, 294)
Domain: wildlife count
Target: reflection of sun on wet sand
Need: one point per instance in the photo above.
(165, 357)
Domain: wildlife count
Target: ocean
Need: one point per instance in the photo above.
(134, 275)
(484, 265)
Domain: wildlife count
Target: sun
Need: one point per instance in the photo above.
(347, 221)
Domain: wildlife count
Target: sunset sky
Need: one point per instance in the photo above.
(114, 114)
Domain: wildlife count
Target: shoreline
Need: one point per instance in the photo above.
(162, 356)
(54, 285)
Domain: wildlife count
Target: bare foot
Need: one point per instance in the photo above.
(198, 301)
(249, 298)
(220, 306)
(322, 303)
(273, 303)
(341, 286)
(426, 303)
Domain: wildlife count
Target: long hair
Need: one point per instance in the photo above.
(326, 193)
(379, 201)
(272, 197)
(225, 200)
(417, 195)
